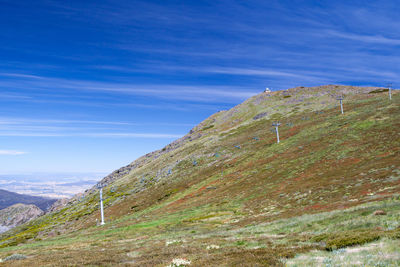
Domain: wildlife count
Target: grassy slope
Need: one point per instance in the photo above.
(246, 200)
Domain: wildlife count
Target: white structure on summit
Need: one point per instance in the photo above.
(267, 90)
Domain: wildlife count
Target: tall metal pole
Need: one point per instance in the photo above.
(277, 134)
(276, 125)
(101, 206)
(340, 98)
(390, 91)
(341, 105)
(100, 187)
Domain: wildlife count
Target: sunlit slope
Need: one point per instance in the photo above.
(229, 171)
(325, 160)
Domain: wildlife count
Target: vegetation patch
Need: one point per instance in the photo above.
(348, 238)
(378, 91)
(208, 127)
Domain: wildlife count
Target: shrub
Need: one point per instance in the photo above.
(208, 127)
(378, 91)
(347, 238)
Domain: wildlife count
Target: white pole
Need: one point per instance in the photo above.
(341, 105)
(277, 134)
(101, 206)
(389, 86)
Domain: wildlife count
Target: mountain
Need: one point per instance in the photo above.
(8, 198)
(227, 194)
(18, 214)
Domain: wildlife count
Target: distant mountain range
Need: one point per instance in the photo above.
(8, 198)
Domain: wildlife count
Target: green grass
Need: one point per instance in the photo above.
(384, 252)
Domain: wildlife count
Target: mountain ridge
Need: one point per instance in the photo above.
(194, 132)
(8, 198)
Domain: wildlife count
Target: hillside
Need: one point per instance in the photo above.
(18, 214)
(226, 194)
(8, 198)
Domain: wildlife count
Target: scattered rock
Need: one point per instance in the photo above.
(133, 254)
(59, 204)
(379, 212)
(170, 242)
(260, 115)
(3, 228)
(179, 262)
(15, 257)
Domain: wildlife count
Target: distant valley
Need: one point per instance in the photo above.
(49, 185)
(16, 209)
(8, 198)
(26, 197)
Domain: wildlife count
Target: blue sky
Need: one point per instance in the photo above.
(89, 86)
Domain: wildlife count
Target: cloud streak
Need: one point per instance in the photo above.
(199, 93)
(84, 134)
(373, 39)
(12, 152)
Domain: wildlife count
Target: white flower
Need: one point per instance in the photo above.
(179, 262)
(213, 247)
(167, 243)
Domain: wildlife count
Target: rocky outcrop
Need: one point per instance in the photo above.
(121, 172)
(260, 115)
(18, 214)
(3, 229)
(59, 204)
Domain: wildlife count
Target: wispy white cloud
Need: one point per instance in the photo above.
(12, 152)
(238, 71)
(20, 75)
(14, 96)
(29, 121)
(200, 93)
(27, 127)
(133, 135)
(373, 39)
(100, 135)
(258, 72)
(12, 120)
